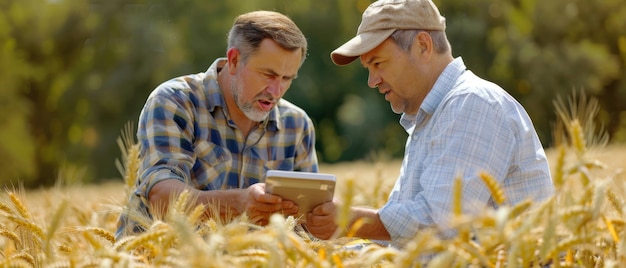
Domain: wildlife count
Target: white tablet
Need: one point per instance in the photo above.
(307, 189)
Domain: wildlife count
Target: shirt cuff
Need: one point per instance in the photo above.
(399, 224)
(154, 177)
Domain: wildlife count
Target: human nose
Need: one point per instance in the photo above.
(373, 80)
(275, 88)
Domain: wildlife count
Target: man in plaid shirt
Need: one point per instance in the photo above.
(216, 133)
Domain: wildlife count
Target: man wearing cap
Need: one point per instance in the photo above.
(459, 125)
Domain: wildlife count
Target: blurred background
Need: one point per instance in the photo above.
(73, 73)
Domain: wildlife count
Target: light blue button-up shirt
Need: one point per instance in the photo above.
(465, 125)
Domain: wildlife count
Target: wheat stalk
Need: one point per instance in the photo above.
(157, 231)
(411, 254)
(494, 187)
(457, 194)
(308, 256)
(576, 227)
(344, 213)
(380, 255)
(53, 226)
(444, 259)
(95, 243)
(130, 150)
(559, 177)
(584, 110)
(611, 229)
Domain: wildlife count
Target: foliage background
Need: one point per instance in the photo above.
(72, 72)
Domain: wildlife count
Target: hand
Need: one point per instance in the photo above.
(260, 206)
(321, 221)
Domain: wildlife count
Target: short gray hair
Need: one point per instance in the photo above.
(251, 28)
(404, 39)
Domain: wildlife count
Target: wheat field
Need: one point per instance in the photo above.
(582, 225)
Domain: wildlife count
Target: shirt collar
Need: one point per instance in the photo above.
(216, 97)
(443, 85)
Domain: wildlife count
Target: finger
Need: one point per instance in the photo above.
(266, 208)
(321, 232)
(260, 218)
(268, 198)
(324, 209)
(257, 191)
(288, 204)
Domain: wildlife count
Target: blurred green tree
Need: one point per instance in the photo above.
(74, 72)
(545, 49)
(40, 42)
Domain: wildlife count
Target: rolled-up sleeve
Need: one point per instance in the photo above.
(165, 134)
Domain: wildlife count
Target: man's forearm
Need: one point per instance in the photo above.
(222, 202)
(372, 227)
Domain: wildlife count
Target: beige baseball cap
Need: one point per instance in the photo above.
(384, 17)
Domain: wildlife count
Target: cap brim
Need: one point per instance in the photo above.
(359, 45)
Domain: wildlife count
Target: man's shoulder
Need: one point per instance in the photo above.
(183, 83)
(470, 85)
(291, 115)
(182, 88)
(286, 108)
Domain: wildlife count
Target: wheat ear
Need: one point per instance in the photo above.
(6, 209)
(10, 261)
(12, 236)
(154, 233)
(95, 243)
(65, 249)
(616, 202)
(577, 137)
(494, 187)
(21, 208)
(33, 228)
(520, 208)
(101, 233)
(303, 251)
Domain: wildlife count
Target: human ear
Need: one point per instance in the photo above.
(424, 43)
(233, 60)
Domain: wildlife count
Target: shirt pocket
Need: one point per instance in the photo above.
(213, 163)
(281, 164)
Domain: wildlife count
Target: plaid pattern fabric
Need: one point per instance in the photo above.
(185, 134)
(465, 125)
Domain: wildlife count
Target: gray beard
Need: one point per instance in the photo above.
(247, 108)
